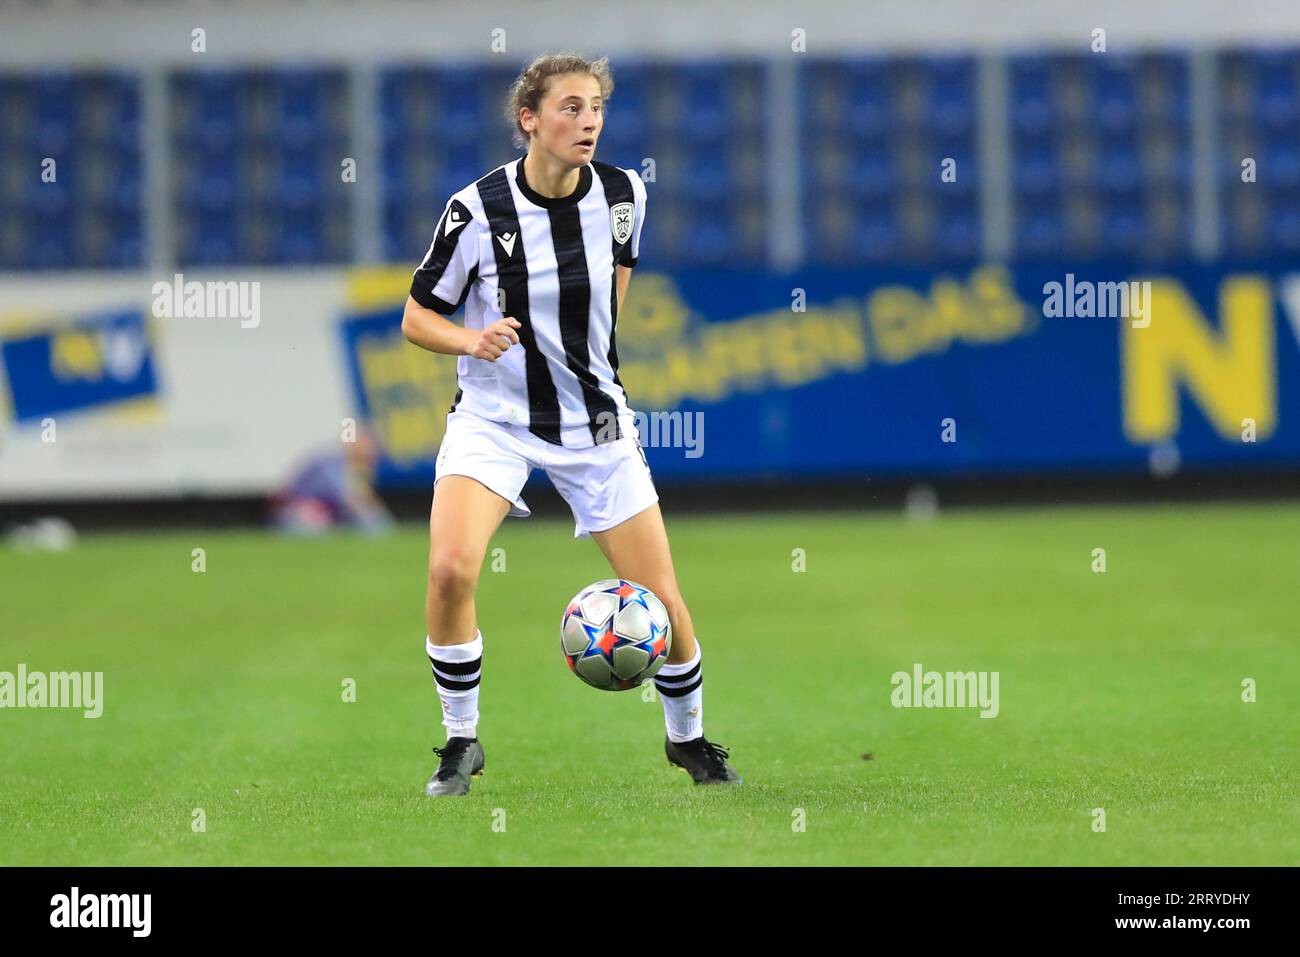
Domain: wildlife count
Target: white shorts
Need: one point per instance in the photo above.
(604, 484)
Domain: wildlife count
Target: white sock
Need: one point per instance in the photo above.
(681, 687)
(456, 673)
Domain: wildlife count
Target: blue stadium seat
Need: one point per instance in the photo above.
(1170, 160)
(299, 238)
(869, 102)
(620, 139)
(301, 116)
(1280, 164)
(1088, 130)
(1119, 168)
(967, 181)
(876, 238)
(1115, 99)
(1126, 227)
(709, 240)
(126, 185)
(51, 240)
(125, 119)
(958, 235)
(213, 238)
(1036, 169)
(1284, 227)
(632, 92)
(709, 174)
(392, 164)
(707, 116)
(460, 97)
(1275, 74)
(1259, 97)
(1032, 109)
(1098, 145)
(872, 173)
(127, 246)
(56, 112)
(56, 197)
(951, 107)
(298, 173)
(212, 180)
(1040, 232)
(461, 169)
(214, 113)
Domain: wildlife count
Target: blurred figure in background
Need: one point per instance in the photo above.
(333, 489)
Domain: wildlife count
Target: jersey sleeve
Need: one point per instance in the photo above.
(633, 249)
(442, 281)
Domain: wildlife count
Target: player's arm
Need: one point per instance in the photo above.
(428, 330)
(622, 276)
(625, 262)
(441, 285)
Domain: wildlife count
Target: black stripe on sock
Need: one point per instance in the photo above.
(457, 667)
(454, 685)
(685, 676)
(675, 691)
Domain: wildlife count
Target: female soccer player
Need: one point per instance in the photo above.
(540, 252)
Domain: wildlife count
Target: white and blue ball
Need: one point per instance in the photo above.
(615, 634)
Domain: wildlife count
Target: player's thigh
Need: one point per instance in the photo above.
(604, 485)
(637, 549)
(464, 517)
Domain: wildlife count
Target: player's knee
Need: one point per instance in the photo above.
(453, 575)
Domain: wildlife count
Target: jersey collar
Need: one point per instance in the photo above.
(553, 202)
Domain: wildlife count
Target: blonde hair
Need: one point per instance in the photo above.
(530, 86)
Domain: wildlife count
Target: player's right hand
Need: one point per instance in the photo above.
(492, 342)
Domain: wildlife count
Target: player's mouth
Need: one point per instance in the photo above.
(586, 145)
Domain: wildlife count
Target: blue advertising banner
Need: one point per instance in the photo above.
(908, 372)
(96, 363)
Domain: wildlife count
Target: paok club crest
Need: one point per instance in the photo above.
(620, 222)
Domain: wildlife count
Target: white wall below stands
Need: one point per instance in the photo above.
(235, 407)
(83, 32)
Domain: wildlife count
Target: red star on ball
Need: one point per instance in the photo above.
(607, 641)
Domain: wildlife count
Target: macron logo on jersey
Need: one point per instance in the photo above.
(507, 241)
(457, 217)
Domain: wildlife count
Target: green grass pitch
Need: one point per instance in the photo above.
(1120, 690)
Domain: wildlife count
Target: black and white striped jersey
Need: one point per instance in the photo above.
(502, 249)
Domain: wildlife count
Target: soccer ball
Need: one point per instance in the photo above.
(615, 634)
